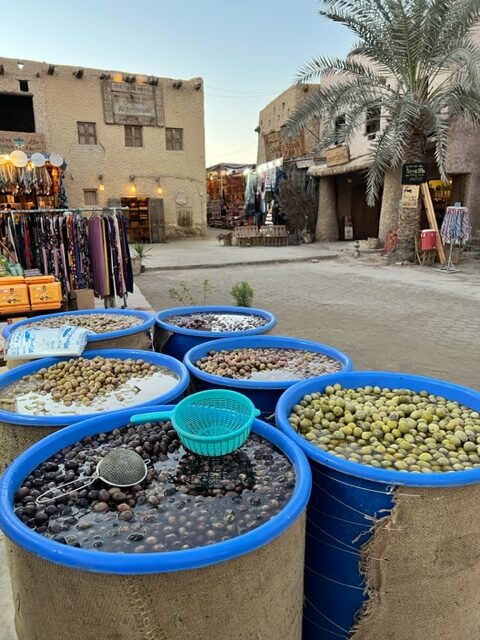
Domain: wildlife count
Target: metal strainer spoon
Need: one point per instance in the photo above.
(119, 468)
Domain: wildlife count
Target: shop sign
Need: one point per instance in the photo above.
(134, 104)
(276, 146)
(27, 142)
(338, 155)
(414, 173)
(410, 195)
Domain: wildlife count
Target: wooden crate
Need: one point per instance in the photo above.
(248, 236)
(274, 235)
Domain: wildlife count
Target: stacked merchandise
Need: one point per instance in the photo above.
(20, 294)
(139, 224)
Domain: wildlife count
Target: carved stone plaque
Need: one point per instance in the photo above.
(134, 104)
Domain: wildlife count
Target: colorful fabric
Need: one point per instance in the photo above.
(456, 227)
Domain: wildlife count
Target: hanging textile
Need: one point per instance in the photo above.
(456, 227)
(82, 252)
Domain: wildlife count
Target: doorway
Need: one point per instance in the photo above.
(365, 218)
(146, 219)
(137, 214)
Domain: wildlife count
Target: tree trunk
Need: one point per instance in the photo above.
(392, 195)
(409, 219)
(327, 224)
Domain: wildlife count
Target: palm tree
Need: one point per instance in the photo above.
(418, 62)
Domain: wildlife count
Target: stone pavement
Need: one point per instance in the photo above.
(409, 319)
(209, 252)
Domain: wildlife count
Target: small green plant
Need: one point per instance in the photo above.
(184, 295)
(141, 249)
(207, 290)
(243, 294)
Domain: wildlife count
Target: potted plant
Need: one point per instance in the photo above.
(141, 252)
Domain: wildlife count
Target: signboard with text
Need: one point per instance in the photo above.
(27, 142)
(134, 104)
(414, 173)
(410, 195)
(276, 146)
(338, 155)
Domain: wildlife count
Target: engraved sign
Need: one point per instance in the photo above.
(26, 142)
(337, 156)
(134, 104)
(276, 146)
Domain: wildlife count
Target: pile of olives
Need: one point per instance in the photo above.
(396, 429)
(95, 322)
(81, 380)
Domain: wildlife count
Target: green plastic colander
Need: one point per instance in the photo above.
(210, 423)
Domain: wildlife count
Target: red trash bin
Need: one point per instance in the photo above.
(429, 239)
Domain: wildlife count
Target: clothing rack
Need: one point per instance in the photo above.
(456, 231)
(71, 210)
(90, 253)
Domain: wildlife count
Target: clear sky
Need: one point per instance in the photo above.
(247, 51)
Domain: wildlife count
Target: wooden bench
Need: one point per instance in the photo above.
(274, 235)
(248, 236)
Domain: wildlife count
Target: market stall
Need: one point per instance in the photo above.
(262, 193)
(226, 194)
(31, 182)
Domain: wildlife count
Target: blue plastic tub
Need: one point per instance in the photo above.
(160, 587)
(176, 341)
(264, 395)
(346, 496)
(18, 431)
(132, 338)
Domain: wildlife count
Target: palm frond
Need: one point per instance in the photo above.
(433, 25)
(381, 161)
(462, 16)
(334, 100)
(462, 64)
(324, 65)
(440, 131)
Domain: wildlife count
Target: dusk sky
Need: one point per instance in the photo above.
(247, 52)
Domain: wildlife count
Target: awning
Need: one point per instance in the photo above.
(358, 164)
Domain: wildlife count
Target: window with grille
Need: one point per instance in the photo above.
(184, 217)
(90, 197)
(87, 132)
(340, 129)
(373, 121)
(174, 139)
(133, 136)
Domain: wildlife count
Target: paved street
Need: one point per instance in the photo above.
(410, 319)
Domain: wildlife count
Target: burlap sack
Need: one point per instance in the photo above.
(141, 341)
(160, 338)
(15, 438)
(422, 568)
(255, 597)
